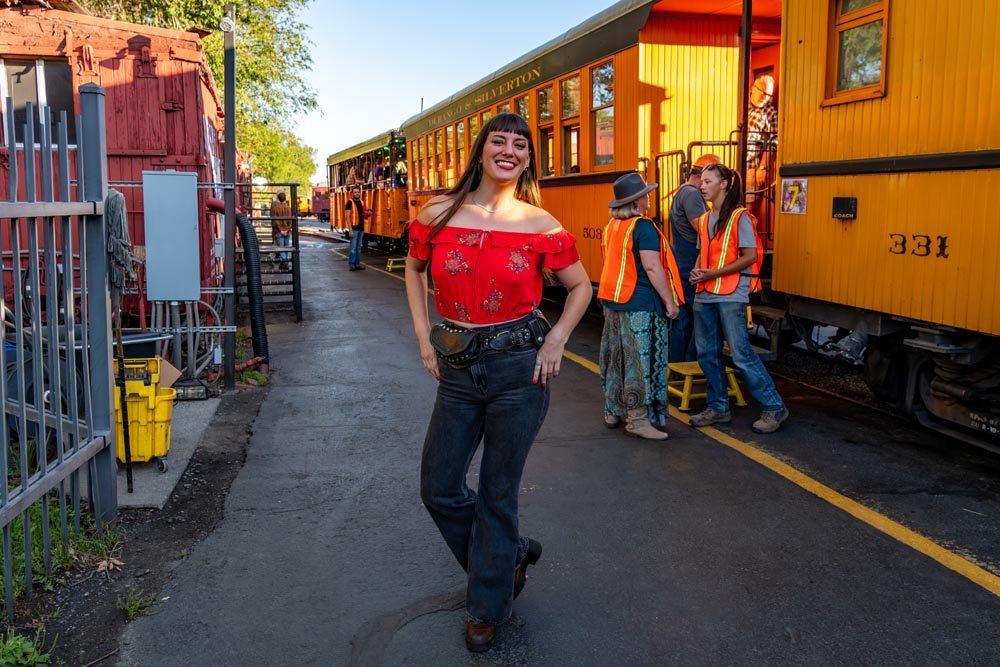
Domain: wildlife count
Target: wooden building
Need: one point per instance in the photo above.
(163, 109)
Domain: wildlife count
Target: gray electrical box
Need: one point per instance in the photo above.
(170, 207)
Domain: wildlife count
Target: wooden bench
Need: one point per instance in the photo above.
(691, 373)
(394, 263)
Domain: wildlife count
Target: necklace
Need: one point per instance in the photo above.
(494, 210)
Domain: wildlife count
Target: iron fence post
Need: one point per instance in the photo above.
(296, 256)
(98, 317)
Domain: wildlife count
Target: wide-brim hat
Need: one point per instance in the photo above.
(628, 188)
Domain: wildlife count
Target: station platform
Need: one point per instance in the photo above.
(848, 537)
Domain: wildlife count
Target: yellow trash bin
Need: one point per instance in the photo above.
(148, 423)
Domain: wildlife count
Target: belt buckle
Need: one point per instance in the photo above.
(495, 342)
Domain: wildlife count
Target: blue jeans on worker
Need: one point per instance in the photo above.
(712, 322)
(354, 258)
(284, 241)
(682, 346)
(492, 401)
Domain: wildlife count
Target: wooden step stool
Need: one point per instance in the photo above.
(690, 373)
(394, 263)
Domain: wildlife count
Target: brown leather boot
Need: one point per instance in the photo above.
(479, 637)
(639, 426)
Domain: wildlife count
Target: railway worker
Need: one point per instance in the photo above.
(640, 288)
(688, 205)
(486, 243)
(727, 241)
(281, 227)
(356, 214)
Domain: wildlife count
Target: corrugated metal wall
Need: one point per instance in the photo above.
(941, 96)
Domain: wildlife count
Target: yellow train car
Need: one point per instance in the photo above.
(377, 168)
(889, 165)
(632, 88)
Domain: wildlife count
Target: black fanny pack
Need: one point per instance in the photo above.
(461, 347)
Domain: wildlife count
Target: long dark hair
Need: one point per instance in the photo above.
(732, 200)
(527, 182)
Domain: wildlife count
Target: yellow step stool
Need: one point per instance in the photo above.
(691, 373)
(394, 263)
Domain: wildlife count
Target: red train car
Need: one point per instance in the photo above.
(163, 110)
(321, 202)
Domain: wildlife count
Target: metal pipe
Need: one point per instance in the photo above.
(746, 28)
(190, 339)
(229, 160)
(176, 354)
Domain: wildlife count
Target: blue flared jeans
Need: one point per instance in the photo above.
(494, 402)
(682, 345)
(712, 322)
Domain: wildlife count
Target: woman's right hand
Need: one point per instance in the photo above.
(672, 309)
(429, 356)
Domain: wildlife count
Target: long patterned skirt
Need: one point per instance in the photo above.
(634, 363)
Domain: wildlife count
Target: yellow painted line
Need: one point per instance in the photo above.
(880, 522)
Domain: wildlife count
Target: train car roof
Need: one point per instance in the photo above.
(367, 146)
(603, 34)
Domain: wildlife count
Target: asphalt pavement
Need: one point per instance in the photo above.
(679, 553)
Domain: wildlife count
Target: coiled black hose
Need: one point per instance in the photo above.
(255, 288)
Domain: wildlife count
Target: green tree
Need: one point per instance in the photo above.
(272, 53)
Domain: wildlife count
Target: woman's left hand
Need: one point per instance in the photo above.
(548, 361)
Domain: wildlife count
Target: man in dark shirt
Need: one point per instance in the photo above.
(688, 205)
(356, 214)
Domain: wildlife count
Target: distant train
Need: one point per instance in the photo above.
(873, 195)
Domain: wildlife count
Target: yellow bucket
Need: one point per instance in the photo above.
(148, 424)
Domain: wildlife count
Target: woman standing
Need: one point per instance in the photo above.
(727, 249)
(486, 243)
(640, 288)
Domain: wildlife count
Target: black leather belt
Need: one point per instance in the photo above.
(510, 339)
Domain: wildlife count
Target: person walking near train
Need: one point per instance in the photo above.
(281, 227)
(486, 243)
(727, 246)
(356, 215)
(687, 206)
(640, 289)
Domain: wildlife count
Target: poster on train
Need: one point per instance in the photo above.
(793, 195)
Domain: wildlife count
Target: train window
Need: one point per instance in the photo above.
(486, 117)
(505, 107)
(856, 44)
(546, 151)
(460, 140)
(571, 149)
(522, 107)
(473, 128)
(449, 133)
(438, 143)
(545, 104)
(602, 85)
(570, 96)
(41, 82)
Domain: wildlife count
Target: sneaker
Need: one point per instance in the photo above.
(770, 422)
(709, 417)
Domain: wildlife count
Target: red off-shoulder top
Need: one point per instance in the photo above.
(483, 276)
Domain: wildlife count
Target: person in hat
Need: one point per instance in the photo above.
(487, 244)
(640, 289)
(281, 226)
(687, 206)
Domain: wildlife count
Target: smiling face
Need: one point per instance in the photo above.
(356, 193)
(505, 156)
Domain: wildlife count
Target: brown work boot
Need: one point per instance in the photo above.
(479, 637)
(639, 426)
(709, 416)
(612, 421)
(770, 422)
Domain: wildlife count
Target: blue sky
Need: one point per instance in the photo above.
(373, 61)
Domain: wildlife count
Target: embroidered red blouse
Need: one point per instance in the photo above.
(484, 277)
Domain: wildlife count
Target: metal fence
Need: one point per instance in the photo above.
(58, 412)
(280, 265)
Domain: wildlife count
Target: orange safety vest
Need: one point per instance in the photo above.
(724, 249)
(357, 214)
(619, 274)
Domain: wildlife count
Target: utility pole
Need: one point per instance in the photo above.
(746, 29)
(228, 26)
